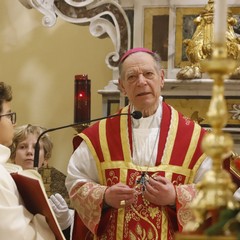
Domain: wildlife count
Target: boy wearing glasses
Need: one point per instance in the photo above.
(16, 221)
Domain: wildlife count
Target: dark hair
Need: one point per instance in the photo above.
(5, 94)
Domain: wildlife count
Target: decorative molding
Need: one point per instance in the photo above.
(104, 17)
(198, 87)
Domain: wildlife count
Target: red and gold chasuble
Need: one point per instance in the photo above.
(179, 157)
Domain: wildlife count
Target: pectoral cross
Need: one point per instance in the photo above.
(141, 182)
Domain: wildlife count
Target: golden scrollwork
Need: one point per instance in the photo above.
(200, 47)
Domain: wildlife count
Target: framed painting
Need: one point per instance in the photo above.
(156, 29)
(185, 28)
(236, 14)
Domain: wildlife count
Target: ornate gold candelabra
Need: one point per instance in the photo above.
(215, 191)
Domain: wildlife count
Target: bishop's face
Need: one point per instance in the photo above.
(142, 82)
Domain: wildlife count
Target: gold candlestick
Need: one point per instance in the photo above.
(215, 191)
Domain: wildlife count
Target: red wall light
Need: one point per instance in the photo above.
(82, 98)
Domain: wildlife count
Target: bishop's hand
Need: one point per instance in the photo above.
(160, 191)
(119, 195)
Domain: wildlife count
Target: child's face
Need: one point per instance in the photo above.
(25, 152)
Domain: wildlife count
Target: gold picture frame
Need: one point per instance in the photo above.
(236, 13)
(153, 39)
(185, 28)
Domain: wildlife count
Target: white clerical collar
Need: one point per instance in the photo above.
(152, 121)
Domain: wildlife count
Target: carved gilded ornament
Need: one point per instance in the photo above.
(201, 45)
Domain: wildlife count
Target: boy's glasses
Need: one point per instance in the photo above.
(12, 116)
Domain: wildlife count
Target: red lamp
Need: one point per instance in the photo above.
(82, 98)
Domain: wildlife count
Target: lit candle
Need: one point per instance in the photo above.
(220, 21)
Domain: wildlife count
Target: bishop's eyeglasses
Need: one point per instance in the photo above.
(12, 116)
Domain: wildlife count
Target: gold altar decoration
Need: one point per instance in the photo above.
(200, 47)
(215, 191)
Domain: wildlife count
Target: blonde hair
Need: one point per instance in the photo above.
(23, 131)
